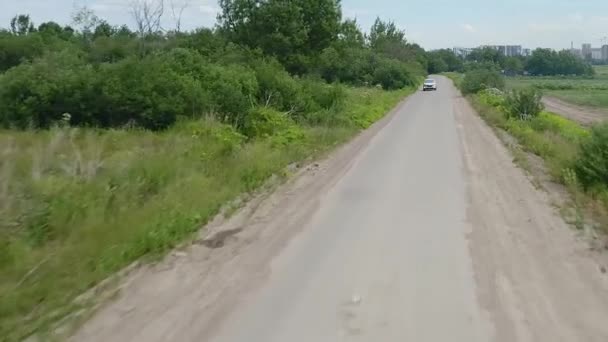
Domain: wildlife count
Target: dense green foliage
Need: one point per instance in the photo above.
(545, 62)
(444, 61)
(481, 78)
(261, 53)
(524, 104)
(592, 164)
(549, 62)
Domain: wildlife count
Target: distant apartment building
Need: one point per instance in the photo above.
(605, 52)
(513, 50)
(462, 52)
(596, 54)
(507, 50)
(586, 51)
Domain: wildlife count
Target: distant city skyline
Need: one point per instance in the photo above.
(437, 24)
(586, 50)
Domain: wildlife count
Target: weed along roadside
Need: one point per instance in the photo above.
(83, 203)
(570, 152)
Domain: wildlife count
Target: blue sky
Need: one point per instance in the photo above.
(433, 24)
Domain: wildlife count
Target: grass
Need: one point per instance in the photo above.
(77, 205)
(601, 71)
(585, 91)
(590, 98)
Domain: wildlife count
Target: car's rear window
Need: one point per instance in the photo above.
(429, 81)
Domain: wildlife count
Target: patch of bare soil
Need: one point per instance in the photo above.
(583, 115)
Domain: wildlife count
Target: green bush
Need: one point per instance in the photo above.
(524, 104)
(323, 95)
(479, 79)
(592, 164)
(392, 74)
(146, 93)
(229, 90)
(37, 94)
(16, 49)
(111, 49)
(278, 89)
(265, 122)
(349, 65)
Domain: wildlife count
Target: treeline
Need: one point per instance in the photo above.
(288, 55)
(542, 62)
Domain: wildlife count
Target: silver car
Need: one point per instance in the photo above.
(429, 84)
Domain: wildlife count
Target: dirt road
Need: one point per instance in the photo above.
(583, 115)
(421, 230)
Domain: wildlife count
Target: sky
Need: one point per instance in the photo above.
(432, 24)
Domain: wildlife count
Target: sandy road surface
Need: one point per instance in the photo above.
(421, 229)
(584, 115)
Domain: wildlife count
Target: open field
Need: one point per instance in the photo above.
(591, 92)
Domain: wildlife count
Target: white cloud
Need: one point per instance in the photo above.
(468, 28)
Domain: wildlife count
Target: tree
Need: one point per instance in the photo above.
(124, 31)
(384, 34)
(292, 31)
(486, 54)
(104, 29)
(85, 19)
(50, 28)
(513, 66)
(148, 15)
(22, 25)
(387, 39)
(549, 62)
(444, 60)
(322, 20)
(177, 11)
(15, 49)
(437, 65)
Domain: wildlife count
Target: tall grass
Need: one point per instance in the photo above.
(77, 205)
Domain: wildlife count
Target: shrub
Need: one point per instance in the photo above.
(479, 79)
(277, 88)
(392, 74)
(16, 49)
(37, 94)
(592, 164)
(111, 49)
(350, 65)
(146, 93)
(524, 104)
(322, 101)
(265, 121)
